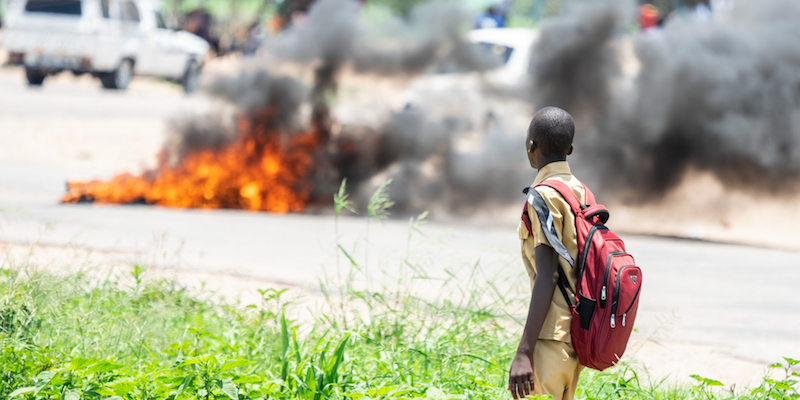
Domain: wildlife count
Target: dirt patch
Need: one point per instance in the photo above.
(702, 208)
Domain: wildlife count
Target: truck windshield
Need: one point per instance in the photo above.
(70, 7)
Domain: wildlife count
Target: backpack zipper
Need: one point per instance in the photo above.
(635, 295)
(586, 246)
(603, 294)
(615, 299)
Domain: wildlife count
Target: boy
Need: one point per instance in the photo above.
(545, 362)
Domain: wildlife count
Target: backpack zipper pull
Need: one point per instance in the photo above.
(613, 323)
(623, 319)
(603, 293)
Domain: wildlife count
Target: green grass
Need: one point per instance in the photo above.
(77, 336)
(73, 338)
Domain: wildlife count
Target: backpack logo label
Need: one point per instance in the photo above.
(633, 278)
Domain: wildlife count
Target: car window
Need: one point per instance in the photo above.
(160, 21)
(130, 12)
(106, 8)
(70, 7)
(503, 52)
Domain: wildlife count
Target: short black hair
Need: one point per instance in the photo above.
(552, 129)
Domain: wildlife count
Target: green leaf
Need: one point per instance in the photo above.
(346, 254)
(190, 361)
(783, 386)
(44, 377)
(104, 391)
(42, 380)
(400, 392)
(791, 361)
(58, 381)
(229, 388)
(123, 386)
(187, 380)
(209, 359)
(103, 366)
(434, 394)
(248, 379)
(73, 394)
(284, 347)
(338, 357)
(137, 273)
(235, 363)
(21, 391)
(706, 381)
(80, 363)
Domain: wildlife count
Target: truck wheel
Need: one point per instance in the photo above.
(35, 76)
(120, 78)
(191, 77)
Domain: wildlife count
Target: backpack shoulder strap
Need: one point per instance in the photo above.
(590, 200)
(539, 205)
(569, 195)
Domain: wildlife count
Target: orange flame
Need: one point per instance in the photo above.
(258, 171)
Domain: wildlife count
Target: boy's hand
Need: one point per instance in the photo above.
(520, 377)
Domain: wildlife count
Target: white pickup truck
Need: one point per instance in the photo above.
(110, 39)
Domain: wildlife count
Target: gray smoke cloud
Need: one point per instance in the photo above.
(418, 152)
(430, 171)
(333, 33)
(721, 95)
(573, 61)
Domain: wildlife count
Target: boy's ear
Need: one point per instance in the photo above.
(570, 150)
(531, 146)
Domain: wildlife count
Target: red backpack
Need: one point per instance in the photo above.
(608, 285)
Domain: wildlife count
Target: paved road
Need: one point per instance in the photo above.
(740, 302)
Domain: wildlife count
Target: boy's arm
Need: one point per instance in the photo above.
(520, 380)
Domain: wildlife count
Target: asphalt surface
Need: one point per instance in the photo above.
(721, 304)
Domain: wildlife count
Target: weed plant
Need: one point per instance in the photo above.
(75, 337)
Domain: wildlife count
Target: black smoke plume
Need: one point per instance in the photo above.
(417, 152)
(719, 95)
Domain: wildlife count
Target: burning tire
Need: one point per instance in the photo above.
(34, 76)
(191, 78)
(120, 78)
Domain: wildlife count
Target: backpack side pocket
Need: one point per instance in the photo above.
(585, 309)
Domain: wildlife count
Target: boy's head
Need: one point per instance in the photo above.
(549, 136)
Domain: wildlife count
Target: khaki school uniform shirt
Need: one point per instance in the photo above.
(557, 323)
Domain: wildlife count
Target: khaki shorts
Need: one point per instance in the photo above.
(556, 369)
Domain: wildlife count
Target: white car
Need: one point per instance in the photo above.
(513, 46)
(110, 39)
(480, 95)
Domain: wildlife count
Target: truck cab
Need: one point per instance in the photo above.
(110, 39)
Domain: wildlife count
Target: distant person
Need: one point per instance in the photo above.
(701, 11)
(490, 19)
(199, 23)
(545, 362)
(648, 17)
